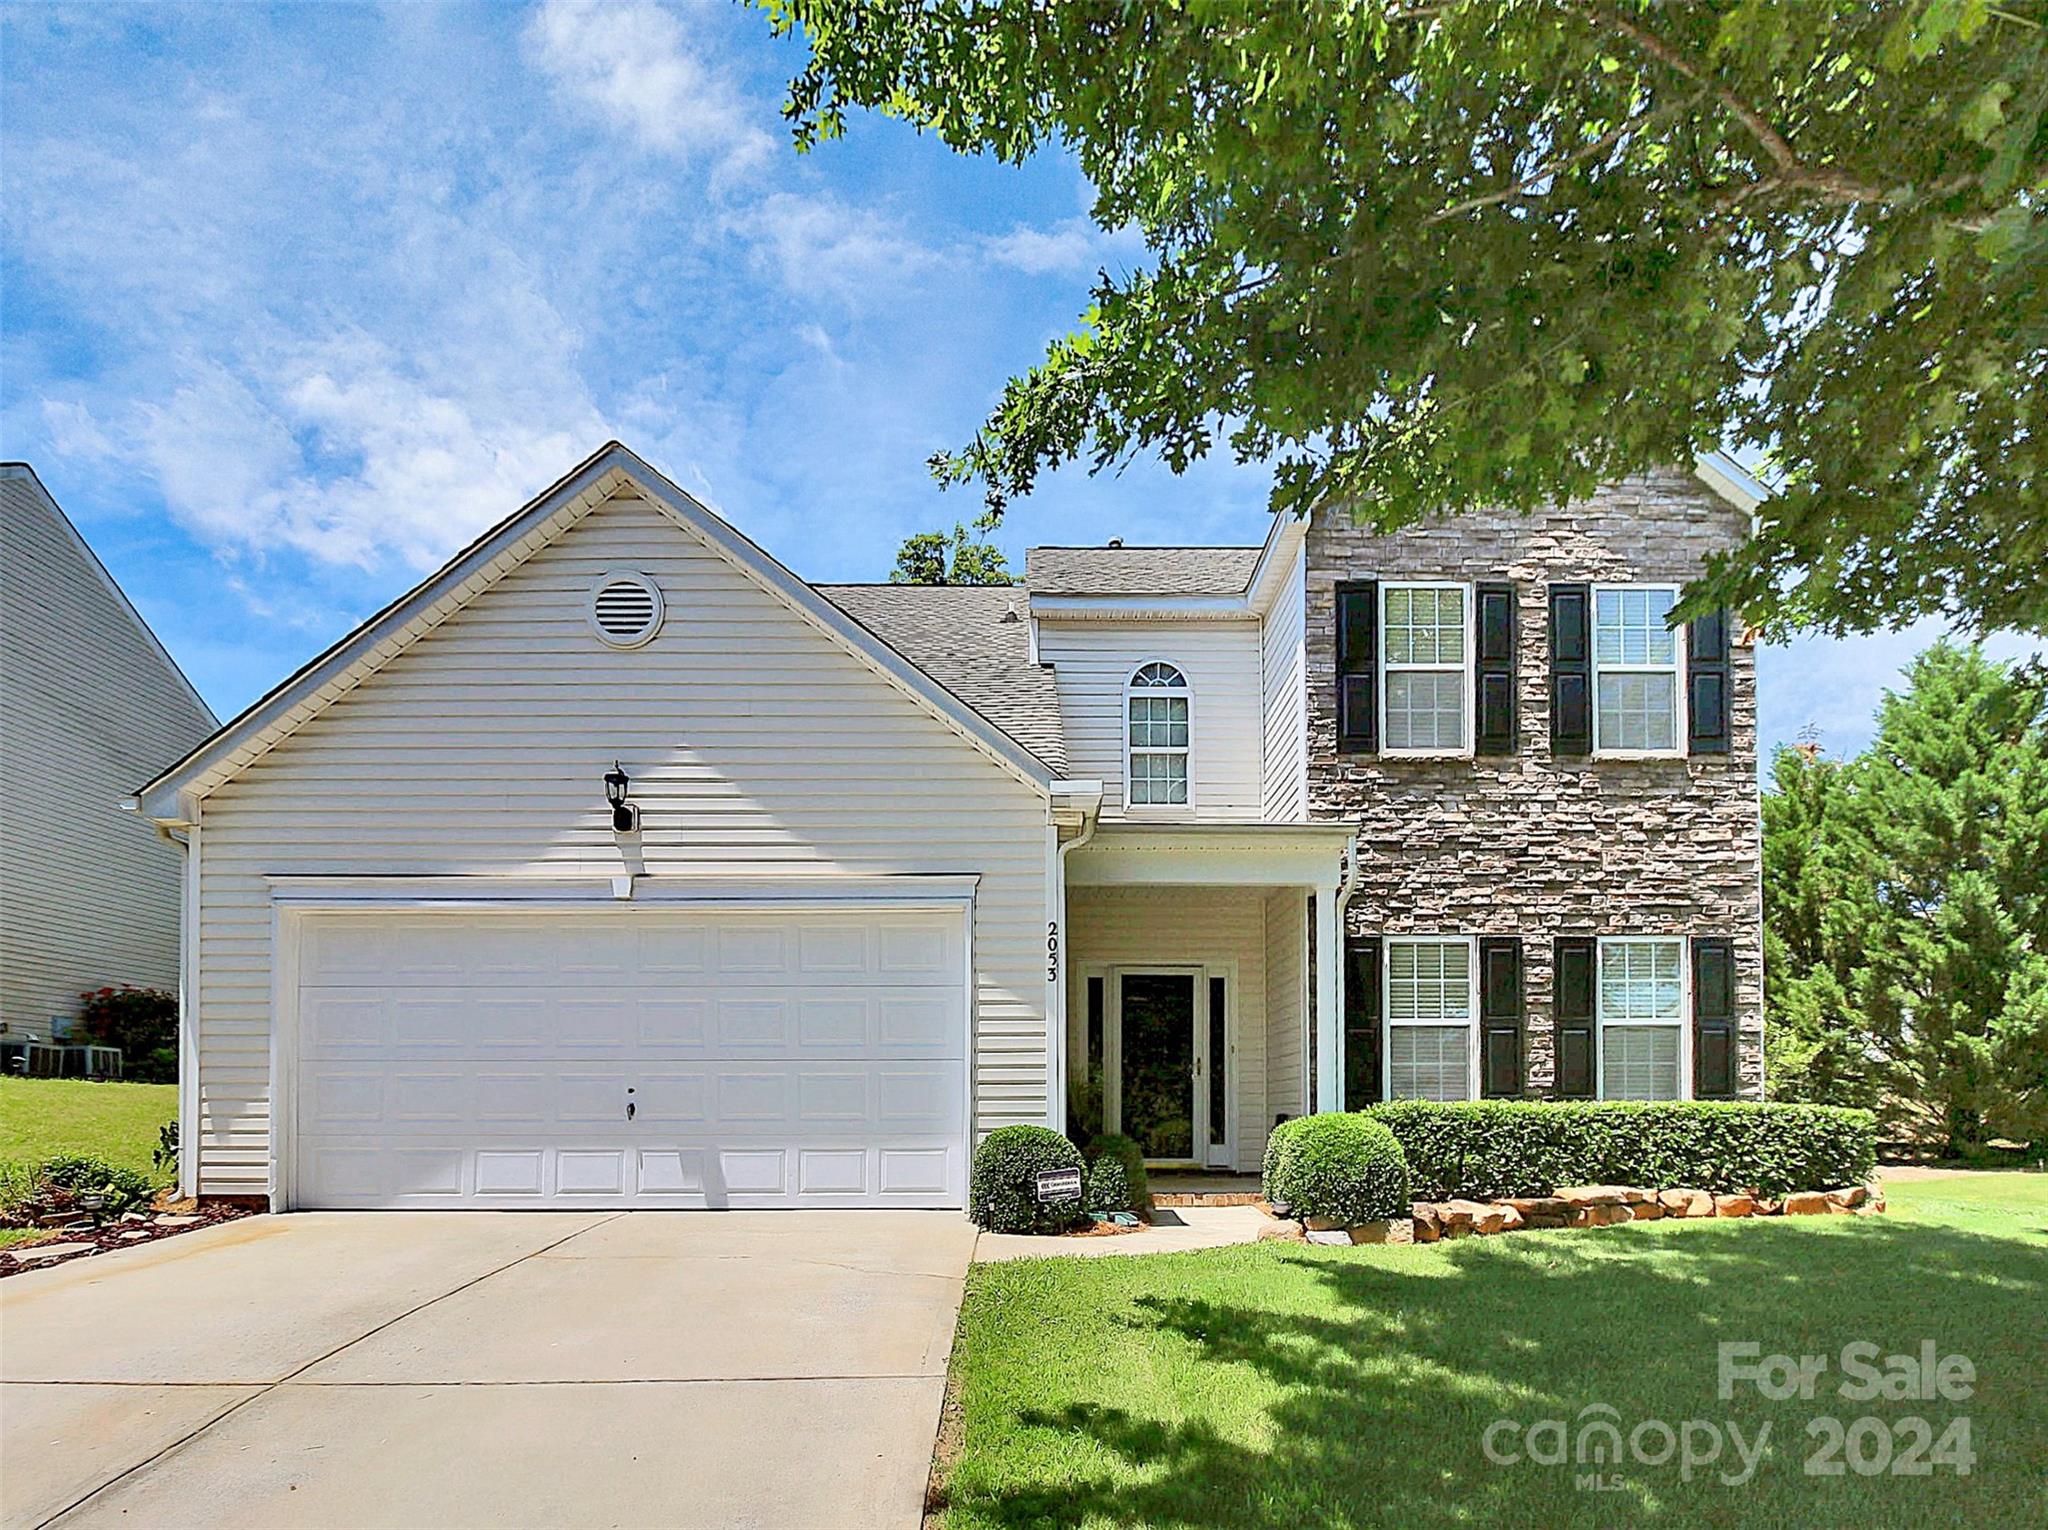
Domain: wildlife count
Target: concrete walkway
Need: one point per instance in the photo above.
(484, 1368)
(1173, 1230)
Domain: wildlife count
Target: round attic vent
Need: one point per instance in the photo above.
(625, 608)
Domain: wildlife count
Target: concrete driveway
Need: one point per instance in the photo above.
(413, 1369)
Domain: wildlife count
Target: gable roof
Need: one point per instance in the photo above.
(23, 494)
(543, 520)
(1139, 570)
(1165, 571)
(976, 641)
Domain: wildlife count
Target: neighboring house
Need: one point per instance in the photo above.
(913, 863)
(89, 704)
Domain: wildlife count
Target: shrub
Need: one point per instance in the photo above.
(142, 1022)
(1346, 1169)
(165, 1154)
(77, 1174)
(1109, 1187)
(1002, 1185)
(1488, 1149)
(1132, 1157)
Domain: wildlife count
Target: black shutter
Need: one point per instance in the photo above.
(1706, 671)
(1362, 1034)
(1713, 1018)
(1572, 978)
(1500, 1015)
(1571, 669)
(1495, 670)
(1358, 653)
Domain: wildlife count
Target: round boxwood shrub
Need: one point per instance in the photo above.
(1109, 1188)
(1132, 1157)
(1346, 1169)
(1002, 1187)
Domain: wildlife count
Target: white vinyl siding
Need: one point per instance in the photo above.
(1641, 1002)
(757, 746)
(1093, 663)
(1223, 928)
(1636, 664)
(90, 709)
(1432, 1009)
(1286, 1002)
(1283, 667)
(1425, 668)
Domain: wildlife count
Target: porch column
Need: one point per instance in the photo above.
(1329, 1003)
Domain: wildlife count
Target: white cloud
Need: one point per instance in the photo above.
(1072, 246)
(637, 67)
(349, 454)
(819, 244)
(74, 431)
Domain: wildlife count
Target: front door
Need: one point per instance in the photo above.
(1169, 1064)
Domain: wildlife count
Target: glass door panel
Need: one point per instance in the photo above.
(1156, 1035)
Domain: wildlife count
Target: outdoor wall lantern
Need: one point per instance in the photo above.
(625, 817)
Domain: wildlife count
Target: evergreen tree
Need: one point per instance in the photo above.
(1906, 909)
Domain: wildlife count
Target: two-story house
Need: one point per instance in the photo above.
(617, 865)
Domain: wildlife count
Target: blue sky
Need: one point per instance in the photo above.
(298, 300)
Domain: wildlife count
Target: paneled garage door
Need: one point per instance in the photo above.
(631, 1056)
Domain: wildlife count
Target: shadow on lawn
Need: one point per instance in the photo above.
(1386, 1387)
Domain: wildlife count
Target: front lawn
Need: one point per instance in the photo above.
(1280, 1386)
(42, 1117)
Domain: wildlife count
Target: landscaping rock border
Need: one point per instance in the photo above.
(1577, 1206)
(126, 1231)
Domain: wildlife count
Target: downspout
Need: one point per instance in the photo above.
(1090, 801)
(1347, 884)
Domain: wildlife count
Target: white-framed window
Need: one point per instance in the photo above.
(1425, 668)
(1640, 999)
(1157, 705)
(1431, 1001)
(1638, 694)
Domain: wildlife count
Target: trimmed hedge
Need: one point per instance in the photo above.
(1132, 1157)
(1490, 1149)
(1345, 1168)
(1109, 1188)
(1002, 1189)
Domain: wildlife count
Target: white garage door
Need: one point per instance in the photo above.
(631, 1056)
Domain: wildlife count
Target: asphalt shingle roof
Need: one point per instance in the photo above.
(1139, 570)
(965, 637)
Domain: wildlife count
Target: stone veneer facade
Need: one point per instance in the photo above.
(1527, 844)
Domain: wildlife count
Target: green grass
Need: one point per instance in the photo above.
(1279, 1386)
(41, 1117)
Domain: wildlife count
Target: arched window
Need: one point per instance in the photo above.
(1156, 706)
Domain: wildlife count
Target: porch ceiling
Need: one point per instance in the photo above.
(1212, 855)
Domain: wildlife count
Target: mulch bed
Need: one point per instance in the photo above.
(121, 1233)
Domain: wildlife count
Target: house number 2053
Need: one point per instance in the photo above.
(1052, 951)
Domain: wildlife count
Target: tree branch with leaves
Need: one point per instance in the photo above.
(1426, 258)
